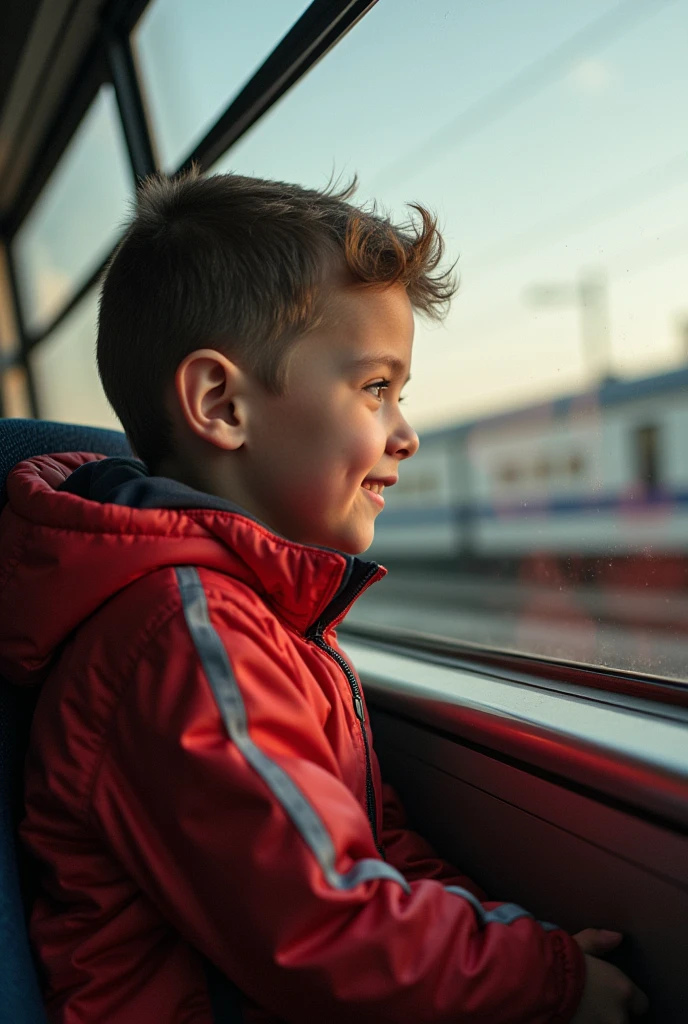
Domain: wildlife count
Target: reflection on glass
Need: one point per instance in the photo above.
(77, 218)
(194, 57)
(65, 374)
(547, 508)
(15, 393)
(9, 338)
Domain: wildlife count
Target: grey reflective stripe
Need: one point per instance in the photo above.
(505, 913)
(226, 690)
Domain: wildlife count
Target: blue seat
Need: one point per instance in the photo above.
(20, 998)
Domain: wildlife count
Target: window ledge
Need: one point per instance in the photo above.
(633, 754)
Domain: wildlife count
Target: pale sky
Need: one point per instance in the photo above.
(581, 167)
(550, 138)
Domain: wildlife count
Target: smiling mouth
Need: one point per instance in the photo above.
(374, 491)
(373, 485)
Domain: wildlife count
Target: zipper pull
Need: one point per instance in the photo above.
(358, 708)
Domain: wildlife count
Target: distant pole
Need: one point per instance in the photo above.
(593, 303)
(590, 295)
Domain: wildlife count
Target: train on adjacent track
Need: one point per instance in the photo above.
(595, 482)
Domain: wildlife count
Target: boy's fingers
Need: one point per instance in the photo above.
(638, 1003)
(597, 941)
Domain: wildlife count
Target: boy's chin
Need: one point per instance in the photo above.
(349, 542)
(355, 545)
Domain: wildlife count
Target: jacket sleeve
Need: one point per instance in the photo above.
(220, 795)
(412, 855)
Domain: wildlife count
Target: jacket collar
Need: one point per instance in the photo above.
(310, 587)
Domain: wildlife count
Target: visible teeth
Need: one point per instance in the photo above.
(372, 486)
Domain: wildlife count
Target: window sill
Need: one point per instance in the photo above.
(634, 753)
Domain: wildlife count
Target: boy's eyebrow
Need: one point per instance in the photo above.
(396, 366)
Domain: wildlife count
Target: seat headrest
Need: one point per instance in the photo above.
(23, 439)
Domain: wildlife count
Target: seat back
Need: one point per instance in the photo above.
(21, 1000)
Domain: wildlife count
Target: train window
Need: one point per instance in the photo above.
(64, 370)
(14, 393)
(575, 465)
(509, 473)
(191, 60)
(573, 264)
(545, 512)
(647, 444)
(75, 221)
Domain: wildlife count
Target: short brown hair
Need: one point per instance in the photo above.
(236, 263)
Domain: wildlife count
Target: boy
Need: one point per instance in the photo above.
(202, 795)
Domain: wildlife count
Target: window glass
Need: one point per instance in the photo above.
(9, 338)
(15, 393)
(63, 365)
(77, 218)
(547, 508)
(193, 58)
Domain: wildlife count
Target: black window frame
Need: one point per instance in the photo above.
(110, 59)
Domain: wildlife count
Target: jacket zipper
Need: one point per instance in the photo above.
(345, 596)
(360, 715)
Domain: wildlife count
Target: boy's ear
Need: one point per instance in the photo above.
(213, 394)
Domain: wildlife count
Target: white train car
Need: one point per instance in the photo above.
(602, 473)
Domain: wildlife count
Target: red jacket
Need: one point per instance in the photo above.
(201, 785)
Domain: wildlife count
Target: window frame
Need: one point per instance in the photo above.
(483, 714)
(110, 59)
(525, 669)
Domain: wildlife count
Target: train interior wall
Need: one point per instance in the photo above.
(565, 855)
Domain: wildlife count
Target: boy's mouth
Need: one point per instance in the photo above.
(377, 484)
(373, 485)
(375, 488)
(374, 496)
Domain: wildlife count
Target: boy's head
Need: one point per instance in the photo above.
(254, 338)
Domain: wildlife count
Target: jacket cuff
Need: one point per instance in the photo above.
(572, 972)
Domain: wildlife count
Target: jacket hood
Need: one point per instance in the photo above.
(79, 527)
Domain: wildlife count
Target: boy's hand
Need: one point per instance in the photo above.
(609, 997)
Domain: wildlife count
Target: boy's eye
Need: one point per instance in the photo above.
(379, 386)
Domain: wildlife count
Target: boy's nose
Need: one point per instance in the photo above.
(404, 442)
